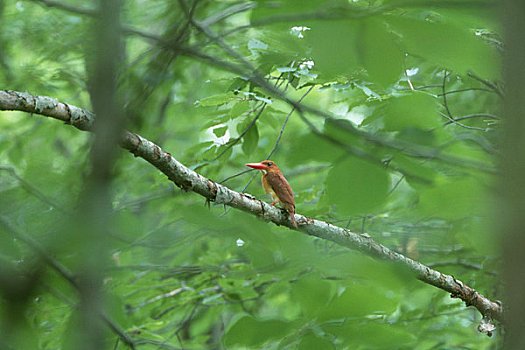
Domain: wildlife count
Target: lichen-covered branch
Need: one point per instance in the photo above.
(189, 180)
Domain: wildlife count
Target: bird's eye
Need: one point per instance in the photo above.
(269, 163)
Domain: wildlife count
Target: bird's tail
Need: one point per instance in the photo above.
(292, 216)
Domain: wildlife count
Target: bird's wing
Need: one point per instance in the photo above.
(281, 187)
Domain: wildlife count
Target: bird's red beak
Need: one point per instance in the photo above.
(260, 166)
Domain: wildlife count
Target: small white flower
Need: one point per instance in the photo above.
(306, 64)
(298, 29)
(412, 71)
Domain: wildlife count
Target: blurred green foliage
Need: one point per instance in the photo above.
(378, 157)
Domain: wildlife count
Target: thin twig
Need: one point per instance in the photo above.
(422, 87)
(242, 191)
(449, 115)
(444, 94)
(455, 121)
(464, 90)
(395, 186)
(487, 83)
(285, 122)
(235, 175)
(475, 115)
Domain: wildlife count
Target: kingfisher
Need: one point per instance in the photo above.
(276, 186)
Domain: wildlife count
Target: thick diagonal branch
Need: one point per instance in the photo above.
(189, 180)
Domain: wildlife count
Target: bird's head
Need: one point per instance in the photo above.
(267, 166)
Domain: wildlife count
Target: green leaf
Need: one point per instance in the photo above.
(381, 56)
(447, 44)
(451, 198)
(222, 118)
(310, 147)
(198, 147)
(373, 335)
(268, 8)
(249, 331)
(413, 166)
(411, 110)
(356, 186)
(312, 294)
(221, 131)
(286, 69)
(367, 91)
(254, 45)
(283, 49)
(237, 84)
(223, 148)
(344, 131)
(486, 242)
(313, 342)
(334, 47)
(239, 109)
(418, 136)
(216, 100)
(250, 140)
(358, 301)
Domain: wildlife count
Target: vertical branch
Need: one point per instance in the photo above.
(94, 216)
(512, 185)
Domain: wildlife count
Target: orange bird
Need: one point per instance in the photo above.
(276, 186)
